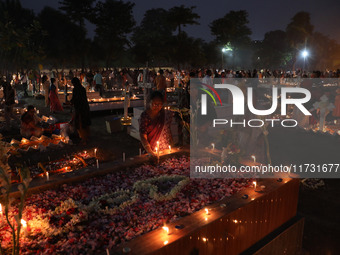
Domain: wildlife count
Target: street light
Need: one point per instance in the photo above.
(225, 49)
(304, 54)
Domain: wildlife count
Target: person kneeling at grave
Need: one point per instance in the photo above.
(154, 125)
(30, 123)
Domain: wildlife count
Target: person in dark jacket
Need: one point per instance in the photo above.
(81, 118)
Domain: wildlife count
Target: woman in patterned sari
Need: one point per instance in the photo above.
(55, 105)
(154, 125)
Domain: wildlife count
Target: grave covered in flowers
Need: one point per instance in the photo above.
(102, 212)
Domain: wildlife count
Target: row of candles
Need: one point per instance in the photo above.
(124, 157)
(206, 213)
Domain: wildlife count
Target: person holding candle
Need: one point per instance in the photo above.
(154, 125)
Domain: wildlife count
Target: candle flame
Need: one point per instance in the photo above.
(253, 157)
(23, 223)
(166, 242)
(0, 209)
(166, 229)
(204, 239)
(206, 211)
(170, 148)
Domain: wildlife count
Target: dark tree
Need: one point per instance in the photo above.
(63, 38)
(152, 39)
(325, 52)
(179, 16)
(114, 21)
(299, 30)
(20, 37)
(274, 51)
(232, 32)
(188, 51)
(232, 28)
(77, 10)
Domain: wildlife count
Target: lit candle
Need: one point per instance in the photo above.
(95, 152)
(253, 157)
(166, 229)
(206, 211)
(24, 225)
(97, 163)
(170, 148)
(48, 176)
(334, 121)
(166, 242)
(254, 183)
(0, 213)
(38, 112)
(123, 156)
(140, 152)
(213, 146)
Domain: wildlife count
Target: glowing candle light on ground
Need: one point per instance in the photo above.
(166, 229)
(24, 225)
(48, 176)
(206, 211)
(170, 148)
(253, 157)
(166, 242)
(254, 183)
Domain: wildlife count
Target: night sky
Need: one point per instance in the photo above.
(264, 15)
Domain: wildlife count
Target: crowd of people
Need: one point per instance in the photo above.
(154, 122)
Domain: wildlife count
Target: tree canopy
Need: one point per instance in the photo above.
(59, 38)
